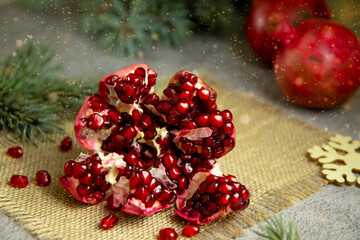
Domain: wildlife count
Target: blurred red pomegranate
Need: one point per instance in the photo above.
(270, 25)
(321, 67)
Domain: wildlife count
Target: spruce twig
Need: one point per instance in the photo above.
(276, 230)
(26, 80)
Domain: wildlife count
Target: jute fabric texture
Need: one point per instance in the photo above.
(269, 157)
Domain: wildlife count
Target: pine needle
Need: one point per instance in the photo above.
(27, 78)
(276, 230)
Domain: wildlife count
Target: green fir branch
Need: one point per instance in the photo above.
(27, 79)
(276, 230)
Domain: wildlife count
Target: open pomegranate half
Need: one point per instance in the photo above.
(149, 151)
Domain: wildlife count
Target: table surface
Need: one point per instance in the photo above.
(331, 213)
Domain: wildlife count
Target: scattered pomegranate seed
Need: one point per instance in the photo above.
(43, 178)
(109, 221)
(15, 152)
(19, 181)
(168, 234)
(190, 231)
(66, 144)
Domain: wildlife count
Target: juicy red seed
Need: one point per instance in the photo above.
(145, 122)
(224, 200)
(96, 122)
(168, 234)
(148, 135)
(185, 96)
(216, 120)
(174, 173)
(98, 195)
(169, 92)
(150, 99)
(212, 188)
(244, 194)
(153, 184)
(19, 181)
(15, 152)
(97, 105)
(96, 168)
(83, 190)
(105, 187)
(169, 160)
(163, 107)
(87, 179)
(140, 72)
(111, 79)
(66, 144)
(187, 168)
(182, 107)
(109, 221)
(141, 193)
(228, 128)
(225, 188)
(134, 180)
(203, 94)
(146, 177)
(131, 77)
(150, 200)
(182, 183)
(129, 132)
(79, 170)
(136, 115)
(152, 73)
(203, 120)
(235, 199)
(68, 167)
(190, 231)
(43, 178)
(114, 116)
(227, 115)
(151, 81)
(187, 86)
(129, 89)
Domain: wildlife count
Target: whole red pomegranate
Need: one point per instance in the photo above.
(321, 67)
(151, 152)
(270, 25)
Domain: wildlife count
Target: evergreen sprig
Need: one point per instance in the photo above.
(27, 78)
(126, 27)
(275, 230)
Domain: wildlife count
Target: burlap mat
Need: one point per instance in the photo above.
(269, 157)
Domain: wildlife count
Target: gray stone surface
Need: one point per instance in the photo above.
(332, 213)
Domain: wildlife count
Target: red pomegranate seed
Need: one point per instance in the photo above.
(66, 144)
(68, 167)
(109, 221)
(190, 231)
(129, 132)
(43, 178)
(15, 152)
(168, 234)
(19, 181)
(182, 107)
(96, 122)
(79, 170)
(114, 116)
(203, 94)
(216, 120)
(140, 72)
(111, 80)
(169, 160)
(203, 120)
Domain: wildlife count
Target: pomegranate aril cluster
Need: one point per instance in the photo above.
(150, 151)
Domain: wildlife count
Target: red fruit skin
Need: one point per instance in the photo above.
(19, 181)
(270, 25)
(321, 67)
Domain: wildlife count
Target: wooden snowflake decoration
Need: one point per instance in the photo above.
(339, 158)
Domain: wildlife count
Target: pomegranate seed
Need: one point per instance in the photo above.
(190, 231)
(140, 72)
(129, 132)
(169, 160)
(152, 73)
(96, 122)
(216, 120)
(111, 80)
(185, 96)
(203, 94)
(187, 86)
(19, 181)
(96, 168)
(182, 107)
(203, 120)
(141, 193)
(129, 89)
(228, 128)
(114, 116)
(111, 205)
(174, 173)
(168, 234)
(83, 190)
(68, 167)
(43, 178)
(15, 152)
(87, 179)
(151, 81)
(66, 144)
(227, 115)
(109, 221)
(79, 170)
(225, 188)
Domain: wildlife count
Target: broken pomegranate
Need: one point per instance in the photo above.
(66, 144)
(19, 181)
(190, 231)
(168, 234)
(320, 68)
(109, 221)
(43, 178)
(270, 25)
(15, 152)
(147, 149)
